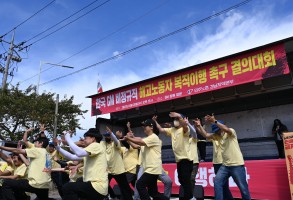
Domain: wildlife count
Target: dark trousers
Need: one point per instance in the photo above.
(193, 175)
(15, 190)
(125, 189)
(184, 169)
(131, 178)
(226, 191)
(80, 189)
(202, 150)
(59, 179)
(149, 181)
(280, 146)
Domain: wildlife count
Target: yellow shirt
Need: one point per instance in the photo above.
(232, 155)
(21, 171)
(180, 143)
(114, 158)
(95, 168)
(30, 145)
(217, 149)
(36, 177)
(193, 150)
(130, 159)
(151, 159)
(3, 166)
(54, 163)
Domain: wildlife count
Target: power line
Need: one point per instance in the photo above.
(61, 21)
(29, 18)
(153, 41)
(105, 37)
(67, 24)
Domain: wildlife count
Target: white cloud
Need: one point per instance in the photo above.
(139, 39)
(236, 32)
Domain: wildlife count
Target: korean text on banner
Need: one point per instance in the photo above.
(243, 68)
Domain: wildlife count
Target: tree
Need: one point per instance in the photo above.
(20, 110)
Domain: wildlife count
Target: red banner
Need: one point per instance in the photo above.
(246, 67)
(267, 179)
(288, 141)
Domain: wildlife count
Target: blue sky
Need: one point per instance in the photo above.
(257, 23)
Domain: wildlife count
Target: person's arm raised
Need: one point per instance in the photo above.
(65, 153)
(201, 130)
(80, 152)
(162, 130)
(223, 127)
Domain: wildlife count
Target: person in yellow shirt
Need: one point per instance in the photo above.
(151, 161)
(18, 167)
(94, 185)
(193, 153)
(180, 144)
(130, 160)
(233, 162)
(15, 166)
(115, 163)
(217, 141)
(37, 181)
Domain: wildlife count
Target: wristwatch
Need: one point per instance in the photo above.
(216, 122)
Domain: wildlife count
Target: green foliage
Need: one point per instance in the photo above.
(20, 110)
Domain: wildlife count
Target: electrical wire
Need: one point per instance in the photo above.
(29, 18)
(100, 5)
(61, 21)
(105, 37)
(152, 41)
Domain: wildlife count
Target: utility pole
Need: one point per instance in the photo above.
(56, 116)
(10, 54)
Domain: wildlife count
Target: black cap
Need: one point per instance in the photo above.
(151, 123)
(93, 132)
(148, 122)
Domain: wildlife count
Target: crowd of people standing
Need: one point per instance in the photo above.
(83, 169)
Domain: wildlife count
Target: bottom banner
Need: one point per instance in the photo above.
(288, 141)
(267, 179)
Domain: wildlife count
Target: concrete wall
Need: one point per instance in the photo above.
(258, 122)
(248, 124)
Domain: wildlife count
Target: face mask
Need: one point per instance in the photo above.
(176, 123)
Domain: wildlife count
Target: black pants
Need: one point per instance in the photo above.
(59, 179)
(202, 150)
(15, 190)
(184, 169)
(131, 178)
(193, 175)
(149, 181)
(280, 146)
(125, 189)
(80, 189)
